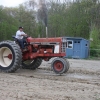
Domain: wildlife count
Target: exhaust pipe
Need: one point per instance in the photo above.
(46, 32)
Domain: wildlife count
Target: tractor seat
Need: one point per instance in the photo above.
(14, 37)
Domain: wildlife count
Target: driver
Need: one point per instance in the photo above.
(19, 36)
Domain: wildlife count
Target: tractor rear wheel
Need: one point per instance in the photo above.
(10, 56)
(60, 65)
(32, 64)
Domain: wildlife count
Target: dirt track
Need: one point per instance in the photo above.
(82, 82)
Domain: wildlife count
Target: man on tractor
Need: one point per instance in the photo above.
(19, 36)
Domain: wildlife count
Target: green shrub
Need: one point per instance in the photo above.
(95, 52)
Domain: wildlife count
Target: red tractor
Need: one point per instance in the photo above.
(38, 49)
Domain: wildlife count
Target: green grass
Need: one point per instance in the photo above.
(93, 58)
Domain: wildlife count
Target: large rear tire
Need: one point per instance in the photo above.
(10, 56)
(32, 64)
(60, 65)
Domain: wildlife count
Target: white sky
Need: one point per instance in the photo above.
(11, 3)
(14, 3)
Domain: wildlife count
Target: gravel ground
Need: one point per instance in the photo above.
(81, 82)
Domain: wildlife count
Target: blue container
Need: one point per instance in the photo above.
(77, 47)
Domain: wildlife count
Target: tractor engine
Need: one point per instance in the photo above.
(44, 48)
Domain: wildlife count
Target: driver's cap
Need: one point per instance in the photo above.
(20, 27)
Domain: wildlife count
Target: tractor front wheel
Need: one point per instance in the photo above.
(60, 65)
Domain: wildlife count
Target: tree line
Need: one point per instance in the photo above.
(76, 18)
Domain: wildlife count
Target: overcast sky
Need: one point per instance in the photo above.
(11, 3)
(14, 3)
